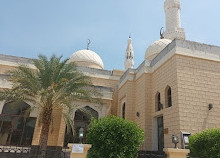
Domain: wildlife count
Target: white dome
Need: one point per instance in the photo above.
(87, 58)
(155, 48)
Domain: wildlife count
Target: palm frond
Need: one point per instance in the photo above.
(69, 120)
(28, 111)
(53, 84)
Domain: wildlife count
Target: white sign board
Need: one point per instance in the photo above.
(78, 148)
(186, 139)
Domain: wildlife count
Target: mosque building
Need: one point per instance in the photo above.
(175, 90)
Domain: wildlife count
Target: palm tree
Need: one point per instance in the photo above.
(54, 83)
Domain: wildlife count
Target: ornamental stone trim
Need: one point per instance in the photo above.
(168, 6)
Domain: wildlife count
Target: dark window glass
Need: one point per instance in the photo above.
(123, 111)
(160, 131)
(28, 131)
(5, 131)
(15, 108)
(159, 106)
(14, 126)
(169, 97)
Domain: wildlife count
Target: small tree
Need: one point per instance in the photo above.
(53, 84)
(114, 137)
(205, 144)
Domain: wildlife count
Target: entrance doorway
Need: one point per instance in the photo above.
(81, 120)
(160, 131)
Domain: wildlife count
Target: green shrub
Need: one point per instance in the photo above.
(205, 144)
(114, 137)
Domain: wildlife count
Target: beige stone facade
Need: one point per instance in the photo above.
(176, 88)
(191, 70)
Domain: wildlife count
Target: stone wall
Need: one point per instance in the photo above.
(166, 75)
(56, 137)
(198, 86)
(143, 108)
(126, 95)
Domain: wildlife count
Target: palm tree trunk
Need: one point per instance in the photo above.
(45, 132)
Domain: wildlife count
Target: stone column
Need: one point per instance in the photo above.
(176, 153)
(79, 155)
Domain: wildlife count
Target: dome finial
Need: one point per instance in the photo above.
(161, 33)
(88, 43)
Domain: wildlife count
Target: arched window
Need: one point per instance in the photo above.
(158, 104)
(123, 111)
(15, 108)
(14, 128)
(168, 97)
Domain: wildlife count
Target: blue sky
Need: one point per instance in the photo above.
(31, 27)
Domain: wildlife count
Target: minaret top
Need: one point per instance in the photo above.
(129, 55)
(173, 21)
(129, 42)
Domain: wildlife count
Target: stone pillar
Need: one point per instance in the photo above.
(176, 153)
(79, 155)
(55, 138)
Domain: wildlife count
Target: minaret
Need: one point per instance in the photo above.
(173, 22)
(129, 55)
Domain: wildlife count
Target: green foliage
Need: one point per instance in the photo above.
(205, 144)
(114, 137)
